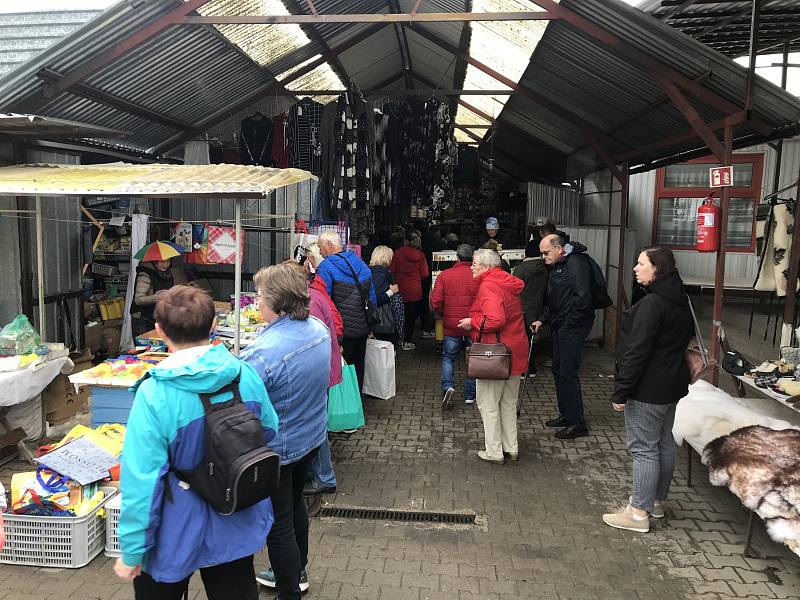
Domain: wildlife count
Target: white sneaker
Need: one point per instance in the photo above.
(447, 401)
(428, 335)
(469, 400)
(408, 346)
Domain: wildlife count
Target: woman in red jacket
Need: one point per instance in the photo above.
(497, 310)
(409, 268)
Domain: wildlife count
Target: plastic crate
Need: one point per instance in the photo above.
(101, 269)
(65, 542)
(111, 309)
(113, 508)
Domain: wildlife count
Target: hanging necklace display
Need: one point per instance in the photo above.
(250, 152)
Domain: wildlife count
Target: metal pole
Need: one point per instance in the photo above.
(237, 277)
(751, 70)
(40, 266)
(779, 150)
(621, 266)
(719, 279)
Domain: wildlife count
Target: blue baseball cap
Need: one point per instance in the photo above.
(491, 223)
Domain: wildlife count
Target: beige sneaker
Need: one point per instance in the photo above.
(483, 455)
(625, 520)
(658, 509)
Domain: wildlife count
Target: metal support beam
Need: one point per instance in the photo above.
(658, 68)
(402, 44)
(753, 54)
(91, 93)
(383, 91)
(671, 13)
(622, 299)
(734, 17)
(33, 103)
(551, 105)
(262, 92)
(393, 17)
(719, 278)
(693, 117)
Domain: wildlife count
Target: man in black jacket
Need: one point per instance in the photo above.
(568, 310)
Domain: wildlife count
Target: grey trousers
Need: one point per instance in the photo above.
(652, 447)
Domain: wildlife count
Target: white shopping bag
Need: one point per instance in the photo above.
(379, 370)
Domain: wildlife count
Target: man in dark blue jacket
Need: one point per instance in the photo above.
(570, 313)
(349, 283)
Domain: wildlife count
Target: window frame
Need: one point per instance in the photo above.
(753, 191)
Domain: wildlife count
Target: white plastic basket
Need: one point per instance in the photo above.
(66, 542)
(113, 508)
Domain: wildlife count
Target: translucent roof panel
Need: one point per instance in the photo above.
(505, 46)
(263, 43)
(321, 78)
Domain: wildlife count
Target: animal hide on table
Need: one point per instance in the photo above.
(774, 261)
(761, 466)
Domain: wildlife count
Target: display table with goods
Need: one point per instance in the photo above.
(751, 446)
(56, 514)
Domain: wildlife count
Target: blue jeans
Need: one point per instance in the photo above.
(567, 350)
(451, 348)
(321, 467)
(652, 446)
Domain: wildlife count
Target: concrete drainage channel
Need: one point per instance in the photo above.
(451, 520)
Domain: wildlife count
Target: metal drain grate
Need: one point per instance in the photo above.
(381, 514)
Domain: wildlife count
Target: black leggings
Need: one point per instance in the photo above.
(234, 580)
(414, 310)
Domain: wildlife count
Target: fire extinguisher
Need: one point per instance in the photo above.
(708, 217)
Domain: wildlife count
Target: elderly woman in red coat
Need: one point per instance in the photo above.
(409, 268)
(497, 310)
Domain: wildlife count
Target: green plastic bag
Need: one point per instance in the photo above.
(344, 402)
(19, 337)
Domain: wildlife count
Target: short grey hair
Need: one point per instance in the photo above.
(464, 252)
(487, 258)
(330, 237)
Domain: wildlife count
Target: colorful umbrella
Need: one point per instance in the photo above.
(158, 251)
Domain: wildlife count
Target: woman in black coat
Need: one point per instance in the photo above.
(651, 375)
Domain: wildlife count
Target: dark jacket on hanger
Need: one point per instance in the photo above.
(651, 364)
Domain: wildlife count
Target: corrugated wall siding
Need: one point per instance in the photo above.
(555, 204)
(740, 268)
(262, 248)
(62, 249)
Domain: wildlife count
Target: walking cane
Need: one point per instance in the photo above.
(525, 381)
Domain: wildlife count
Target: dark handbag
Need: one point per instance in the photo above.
(371, 314)
(488, 361)
(386, 326)
(696, 354)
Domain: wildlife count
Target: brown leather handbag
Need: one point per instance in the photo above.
(488, 361)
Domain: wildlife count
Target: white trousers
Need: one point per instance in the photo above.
(497, 401)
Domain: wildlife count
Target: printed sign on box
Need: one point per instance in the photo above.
(720, 176)
(222, 245)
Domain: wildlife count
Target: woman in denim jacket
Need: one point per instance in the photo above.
(293, 357)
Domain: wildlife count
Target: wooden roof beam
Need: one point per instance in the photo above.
(694, 119)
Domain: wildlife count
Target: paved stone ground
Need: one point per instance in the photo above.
(541, 535)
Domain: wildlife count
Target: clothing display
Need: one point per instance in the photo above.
(303, 135)
(281, 151)
(255, 141)
(774, 260)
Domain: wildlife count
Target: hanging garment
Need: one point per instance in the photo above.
(345, 144)
(255, 141)
(381, 165)
(328, 138)
(281, 152)
(444, 159)
(304, 135)
(774, 261)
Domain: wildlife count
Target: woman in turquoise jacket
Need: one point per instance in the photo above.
(164, 537)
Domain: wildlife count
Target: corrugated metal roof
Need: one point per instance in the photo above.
(122, 179)
(36, 125)
(23, 35)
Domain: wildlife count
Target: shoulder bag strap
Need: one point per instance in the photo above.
(358, 284)
(697, 334)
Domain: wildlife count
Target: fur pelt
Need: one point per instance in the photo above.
(761, 466)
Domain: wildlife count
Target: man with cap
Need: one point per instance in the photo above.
(492, 232)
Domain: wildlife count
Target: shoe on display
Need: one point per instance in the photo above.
(408, 346)
(557, 422)
(626, 519)
(313, 487)
(428, 335)
(572, 431)
(483, 455)
(447, 401)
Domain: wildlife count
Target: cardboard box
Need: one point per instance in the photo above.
(61, 400)
(93, 337)
(112, 332)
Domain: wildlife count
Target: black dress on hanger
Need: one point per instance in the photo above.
(255, 141)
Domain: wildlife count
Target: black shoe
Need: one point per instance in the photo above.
(557, 422)
(315, 487)
(447, 401)
(573, 431)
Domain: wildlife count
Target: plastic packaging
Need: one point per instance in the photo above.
(19, 337)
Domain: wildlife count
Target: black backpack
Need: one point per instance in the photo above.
(238, 469)
(597, 285)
